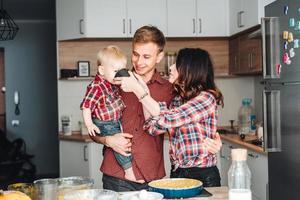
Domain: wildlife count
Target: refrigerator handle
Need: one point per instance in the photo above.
(270, 46)
(272, 121)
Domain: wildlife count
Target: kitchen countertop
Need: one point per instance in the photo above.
(235, 138)
(76, 136)
(218, 193)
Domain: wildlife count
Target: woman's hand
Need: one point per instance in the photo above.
(93, 129)
(213, 145)
(120, 143)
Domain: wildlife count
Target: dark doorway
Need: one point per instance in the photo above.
(2, 92)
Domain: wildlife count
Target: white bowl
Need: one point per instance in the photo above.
(150, 196)
(91, 194)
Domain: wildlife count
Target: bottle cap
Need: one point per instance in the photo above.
(239, 154)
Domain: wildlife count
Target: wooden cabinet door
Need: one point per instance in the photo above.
(256, 55)
(234, 57)
(181, 18)
(212, 17)
(145, 12)
(105, 19)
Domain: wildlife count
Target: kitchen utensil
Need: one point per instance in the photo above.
(94, 194)
(176, 187)
(45, 189)
(68, 184)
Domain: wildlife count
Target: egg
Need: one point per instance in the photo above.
(143, 195)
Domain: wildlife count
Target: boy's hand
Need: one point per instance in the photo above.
(213, 145)
(93, 129)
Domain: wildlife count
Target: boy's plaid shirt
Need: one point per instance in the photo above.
(188, 125)
(103, 99)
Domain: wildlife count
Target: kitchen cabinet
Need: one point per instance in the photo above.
(197, 18)
(107, 19)
(81, 159)
(245, 52)
(257, 163)
(244, 14)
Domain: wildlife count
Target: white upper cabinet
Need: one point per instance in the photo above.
(181, 17)
(190, 18)
(108, 19)
(244, 14)
(69, 19)
(212, 17)
(105, 18)
(145, 12)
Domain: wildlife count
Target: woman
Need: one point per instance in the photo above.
(191, 119)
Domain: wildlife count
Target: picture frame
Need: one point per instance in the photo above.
(83, 68)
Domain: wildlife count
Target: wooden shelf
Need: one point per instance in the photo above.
(77, 78)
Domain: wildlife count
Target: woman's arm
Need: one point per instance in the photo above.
(135, 84)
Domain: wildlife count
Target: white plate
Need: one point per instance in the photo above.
(151, 195)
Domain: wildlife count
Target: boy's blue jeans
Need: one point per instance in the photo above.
(111, 128)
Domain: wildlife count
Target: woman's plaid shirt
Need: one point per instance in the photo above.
(188, 125)
(103, 99)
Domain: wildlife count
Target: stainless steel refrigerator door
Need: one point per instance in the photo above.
(289, 73)
(284, 165)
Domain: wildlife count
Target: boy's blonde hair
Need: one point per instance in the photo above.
(111, 55)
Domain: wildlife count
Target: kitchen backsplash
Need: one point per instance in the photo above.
(70, 94)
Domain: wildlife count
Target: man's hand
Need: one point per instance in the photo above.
(93, 129)
(120, 143)
(213, 145)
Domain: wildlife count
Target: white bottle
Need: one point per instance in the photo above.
(239, 176)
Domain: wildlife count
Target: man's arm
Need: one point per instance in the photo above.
(120, 142)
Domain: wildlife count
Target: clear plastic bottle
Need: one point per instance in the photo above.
(239, 176)
(246, 117)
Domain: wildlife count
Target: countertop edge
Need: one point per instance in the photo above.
(236, 139)
(76, 136)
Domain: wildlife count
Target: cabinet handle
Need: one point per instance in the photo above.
(84, 153)
(239, 19)
(130, 26)
(80, 26)
(249, 60)
(194, 27)
(200, 25)
(124, 26)
(235, 62)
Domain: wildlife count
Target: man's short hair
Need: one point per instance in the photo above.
(147, 34)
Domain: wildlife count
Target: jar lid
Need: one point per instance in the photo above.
(239, 154)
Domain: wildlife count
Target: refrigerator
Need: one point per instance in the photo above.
(281, 97)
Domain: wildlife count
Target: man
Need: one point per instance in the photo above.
(147, 151)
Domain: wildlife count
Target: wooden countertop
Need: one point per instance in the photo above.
(76, 136)
(235, 138)
(218, 193)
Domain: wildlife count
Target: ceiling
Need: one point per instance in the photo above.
(30, 9)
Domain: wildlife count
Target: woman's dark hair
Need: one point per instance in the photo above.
(195, 74)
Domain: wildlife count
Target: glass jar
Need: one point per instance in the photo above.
(170, 60)
(239, 176)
